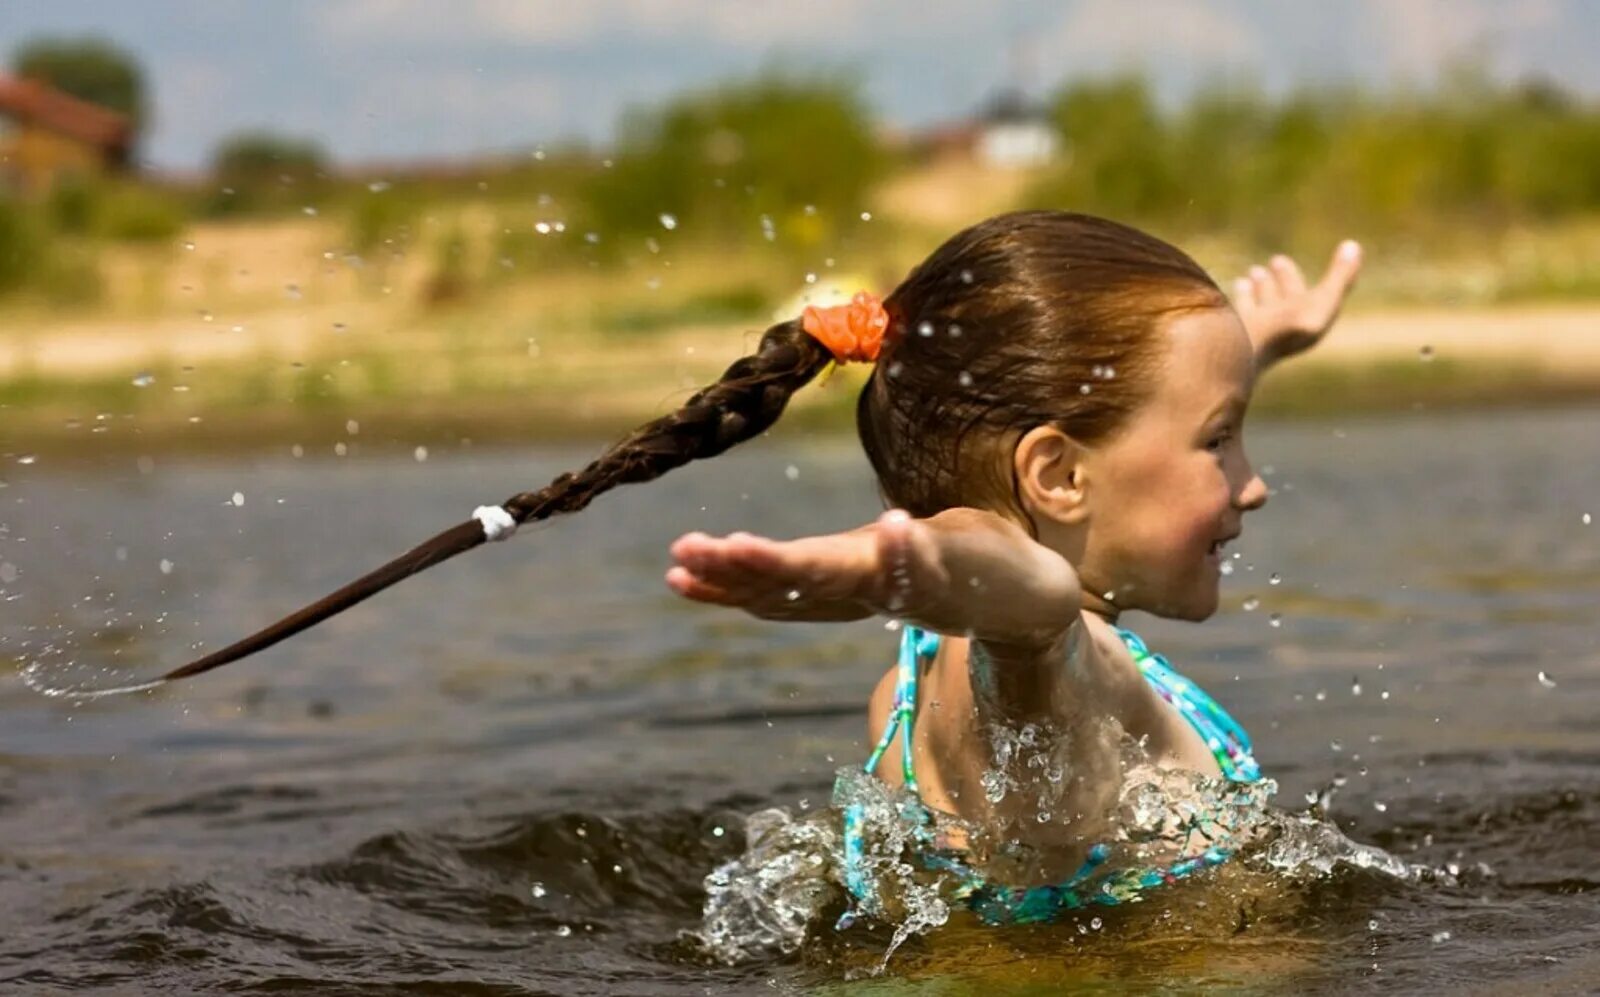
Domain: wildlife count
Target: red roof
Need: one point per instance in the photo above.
(37, 103)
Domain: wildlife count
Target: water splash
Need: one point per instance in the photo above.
(773, 899)
(59, 681)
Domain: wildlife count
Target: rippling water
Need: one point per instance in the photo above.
(513, 774)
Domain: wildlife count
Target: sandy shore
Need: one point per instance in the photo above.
(1557, 337)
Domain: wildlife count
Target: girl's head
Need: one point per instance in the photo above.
(1083, 377)
(1074, 373)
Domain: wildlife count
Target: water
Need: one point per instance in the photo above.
(513, 773)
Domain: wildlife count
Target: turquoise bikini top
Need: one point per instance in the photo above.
(998, 904)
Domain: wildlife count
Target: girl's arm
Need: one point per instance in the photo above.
(1285, 317)
(963, 571)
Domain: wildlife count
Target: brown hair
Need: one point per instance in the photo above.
(1026, 319)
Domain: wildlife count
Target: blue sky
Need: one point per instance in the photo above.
(385, 80)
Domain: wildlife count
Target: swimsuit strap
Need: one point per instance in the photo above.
(917, 646)
(1227, 740)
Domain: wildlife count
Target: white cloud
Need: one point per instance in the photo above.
(1101, 34)
(566, 22)
(1421, 35)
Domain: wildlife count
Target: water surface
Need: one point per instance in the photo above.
(511, 774)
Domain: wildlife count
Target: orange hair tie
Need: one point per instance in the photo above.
(852, 331)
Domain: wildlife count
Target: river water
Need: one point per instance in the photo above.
(512, 774)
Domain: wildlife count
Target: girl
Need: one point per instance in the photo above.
(1055, 415)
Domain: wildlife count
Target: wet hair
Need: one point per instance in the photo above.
(1027, 319)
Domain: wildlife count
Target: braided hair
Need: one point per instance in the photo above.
(742, 404)
(1028, 318)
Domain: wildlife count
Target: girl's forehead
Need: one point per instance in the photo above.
(1207, 359)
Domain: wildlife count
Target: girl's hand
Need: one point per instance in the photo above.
(1285, 317)
(961, 571)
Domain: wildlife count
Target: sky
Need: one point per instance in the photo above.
(379, 81)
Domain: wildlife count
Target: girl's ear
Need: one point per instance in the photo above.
(1051, 477)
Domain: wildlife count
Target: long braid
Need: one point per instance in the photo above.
(742, 404)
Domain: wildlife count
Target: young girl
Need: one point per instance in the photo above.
(1055, 415)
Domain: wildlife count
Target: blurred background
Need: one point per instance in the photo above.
(234, 225)
(285, 287)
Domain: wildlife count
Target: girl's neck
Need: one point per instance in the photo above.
(1101, 607)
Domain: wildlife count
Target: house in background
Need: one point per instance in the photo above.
(1009, 132)
(47, 136)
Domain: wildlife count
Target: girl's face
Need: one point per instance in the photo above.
(1174, 484)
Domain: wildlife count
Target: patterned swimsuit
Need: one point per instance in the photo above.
(998, 904)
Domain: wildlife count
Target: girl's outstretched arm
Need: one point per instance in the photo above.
(1282, 314)
(963, 572)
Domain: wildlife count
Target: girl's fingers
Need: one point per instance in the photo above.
(1244, 293)
(1341, 276)
(682, 581)
(1291, 281)
(1266, 288)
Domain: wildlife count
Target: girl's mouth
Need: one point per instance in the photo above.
(1214, 554)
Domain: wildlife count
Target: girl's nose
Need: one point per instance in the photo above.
(1253, 495)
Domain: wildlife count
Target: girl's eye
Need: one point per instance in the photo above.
(1217, 442)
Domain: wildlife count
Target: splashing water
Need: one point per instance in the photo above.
(60, 680)
(773, 898)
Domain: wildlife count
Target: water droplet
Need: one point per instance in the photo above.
(166, 566)
(925, 329)
(1084, 389)
(966, 276)
(26, 458)
(1426, 353)
(1095, 923)
(340, 449)
(420, 453)
(768, 231)
(1276, 620)
(793, 595)
(352, 427)
(378, 186)
(1439, 937)
(538, 891)
(1252, 604)
(1044, 816)
(866, 216)
(189, 246)
(717, 832)
(1372, 925)
(1273, 579)
(1546, 681)
(1336, 746)
(964, 379)
(1587, 519)
(563, 931)
(292, 291)
(1355, 687)
(893, 626)
(543, 228)
(1226, 568)
(1380, 806)
(309, 211)
(143, 379)
(668, 222)
(297, 451)
(237, 500)
(8, 572)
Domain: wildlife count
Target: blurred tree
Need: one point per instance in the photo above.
(263, 170)
(778, 156)
(88, 68)
(260, 158)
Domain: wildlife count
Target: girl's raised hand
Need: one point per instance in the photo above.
(1285, 317)
(961, 571)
